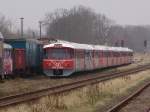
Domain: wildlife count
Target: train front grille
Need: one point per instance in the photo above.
(57, 72)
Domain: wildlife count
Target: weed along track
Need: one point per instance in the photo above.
(18, 98)
(137, 102)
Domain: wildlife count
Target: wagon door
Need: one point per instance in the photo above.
(19, 59)
(101, 59)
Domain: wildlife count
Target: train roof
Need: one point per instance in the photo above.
(87, 46)
(7, 46)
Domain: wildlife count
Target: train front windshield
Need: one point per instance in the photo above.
(58, 53)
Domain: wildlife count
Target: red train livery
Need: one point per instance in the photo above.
(64, 58)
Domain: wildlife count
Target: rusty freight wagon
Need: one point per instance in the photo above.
(27, 55)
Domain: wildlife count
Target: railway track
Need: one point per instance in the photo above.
(23, 97)
(123, 103)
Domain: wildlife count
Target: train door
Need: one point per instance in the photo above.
(117, 58)
(112, 58)
(125, 58)
(96, 56)
(104, 59)
(19, 59)
(120, 61)
(78, 60)
(100, 59)
(107, 58)
(88, 60)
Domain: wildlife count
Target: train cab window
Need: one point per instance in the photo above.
(58, 53)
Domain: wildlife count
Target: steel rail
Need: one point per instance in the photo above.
(23, 97)
(124, 102)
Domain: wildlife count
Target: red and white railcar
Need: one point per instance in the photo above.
(64, 58)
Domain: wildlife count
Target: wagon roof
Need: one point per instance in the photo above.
(23, 39)
(88, 46)
(7, 46)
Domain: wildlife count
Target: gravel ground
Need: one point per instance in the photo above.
(140, 103)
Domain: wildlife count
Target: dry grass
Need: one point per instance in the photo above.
(18, 85)
(85, 99)
(80, 100)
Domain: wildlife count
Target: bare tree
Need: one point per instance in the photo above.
(5, 25)
(79, 24)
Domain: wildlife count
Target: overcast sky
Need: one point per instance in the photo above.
(135, 12)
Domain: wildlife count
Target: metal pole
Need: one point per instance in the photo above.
(40, 24)
(21, 26)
